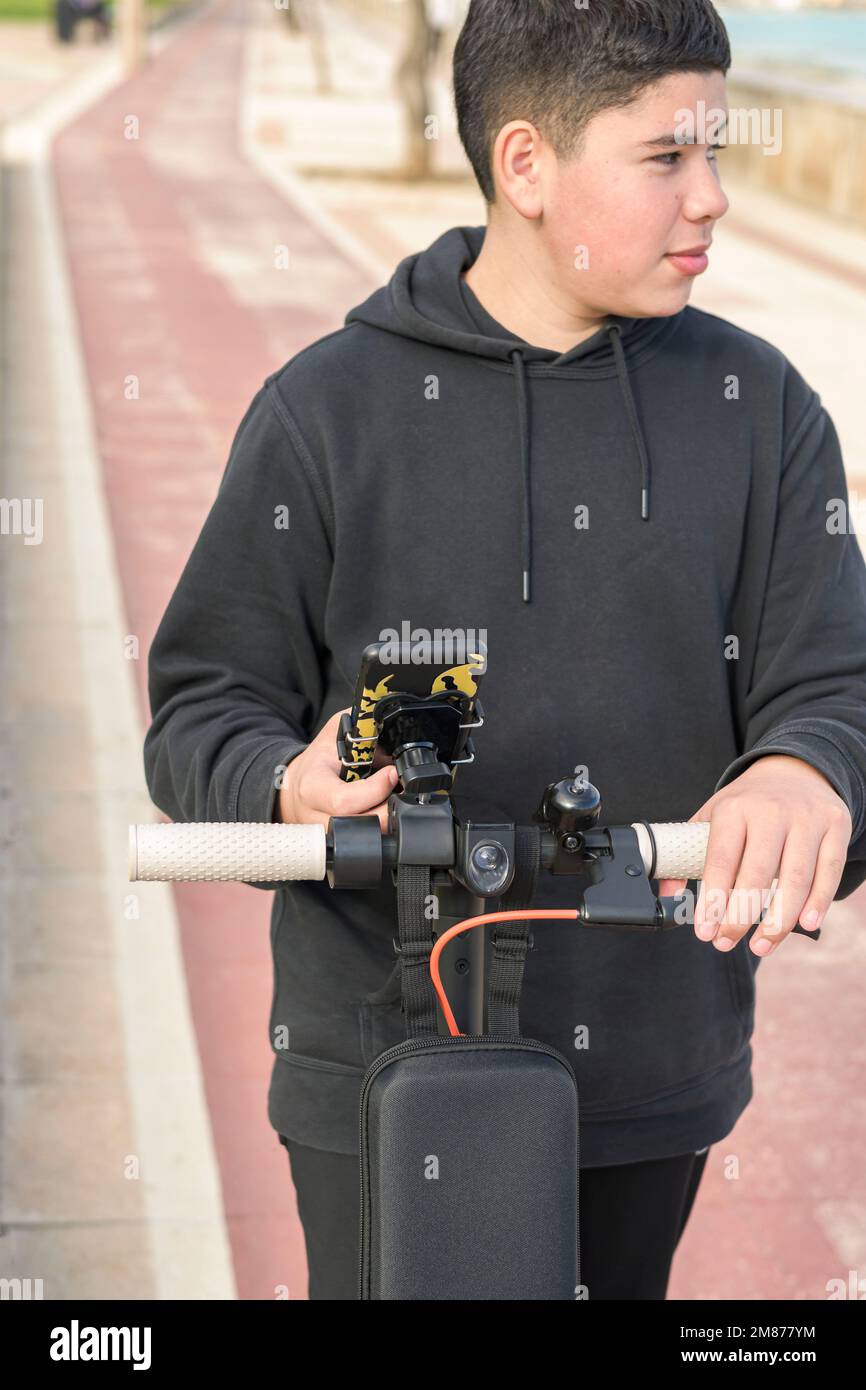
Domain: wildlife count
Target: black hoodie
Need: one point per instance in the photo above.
(643, 527)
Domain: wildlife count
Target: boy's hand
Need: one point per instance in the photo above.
(779, 817)
(312, 791)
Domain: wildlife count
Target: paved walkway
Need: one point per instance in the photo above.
(170, 245)
(33, 64)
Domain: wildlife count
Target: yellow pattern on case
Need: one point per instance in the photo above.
(456, 677)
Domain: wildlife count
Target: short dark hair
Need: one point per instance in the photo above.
(558, 65)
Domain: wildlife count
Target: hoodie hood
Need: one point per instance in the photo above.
(427, 300)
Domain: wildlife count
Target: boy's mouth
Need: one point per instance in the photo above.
(693, 261)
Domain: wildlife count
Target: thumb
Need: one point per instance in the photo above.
(371, 791)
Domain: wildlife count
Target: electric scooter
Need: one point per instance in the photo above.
(422, 1094)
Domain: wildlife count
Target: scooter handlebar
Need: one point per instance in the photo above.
(680, 847)
(244, 851)
(250, 852)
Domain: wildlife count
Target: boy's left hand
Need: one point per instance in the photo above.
(782, 819)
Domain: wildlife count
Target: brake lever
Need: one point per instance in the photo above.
(669, 919)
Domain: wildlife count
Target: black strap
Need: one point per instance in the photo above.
(420, 1005)
(510, 942)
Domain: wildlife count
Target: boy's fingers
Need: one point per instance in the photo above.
(376, 788)
(367, 797)
(325, 794)
(382, 759)
(670, 887)
(339, 798)
(725, 846)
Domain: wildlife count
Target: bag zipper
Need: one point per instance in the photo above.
(417, 1045)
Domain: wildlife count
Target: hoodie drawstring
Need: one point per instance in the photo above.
(615, 333)
(525, 462)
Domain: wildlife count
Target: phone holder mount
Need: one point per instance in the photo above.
(464, 862)
(427, 738)
(423, 735)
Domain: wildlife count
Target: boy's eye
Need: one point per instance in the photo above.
(669, 160)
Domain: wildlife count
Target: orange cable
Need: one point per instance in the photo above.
(569, 913)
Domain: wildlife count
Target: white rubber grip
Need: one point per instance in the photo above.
(245, 851)
(681, 847)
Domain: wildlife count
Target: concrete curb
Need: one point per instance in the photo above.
(180, 1183)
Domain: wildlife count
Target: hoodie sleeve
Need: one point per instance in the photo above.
(807, 696)
(235, 671)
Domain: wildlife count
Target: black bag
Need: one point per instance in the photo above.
(469, 1171)
(469, 1145)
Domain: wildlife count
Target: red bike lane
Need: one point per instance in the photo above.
(170, 238)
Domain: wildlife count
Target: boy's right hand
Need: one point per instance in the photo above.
(313, 791)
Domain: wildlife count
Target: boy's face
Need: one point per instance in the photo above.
(632, 204)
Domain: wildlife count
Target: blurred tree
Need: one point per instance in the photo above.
(305, 16)
(414, 88)
(290, 14)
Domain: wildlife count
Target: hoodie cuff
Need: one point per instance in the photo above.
(819, 750)
(258, 790)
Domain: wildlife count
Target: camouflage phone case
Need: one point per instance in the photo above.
(379, 678)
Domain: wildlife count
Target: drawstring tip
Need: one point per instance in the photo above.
(526, 586)
(644, 503)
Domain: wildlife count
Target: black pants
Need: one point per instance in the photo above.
(631, 1218)
(66, 16)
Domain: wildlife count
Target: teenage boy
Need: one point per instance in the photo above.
(529, 432)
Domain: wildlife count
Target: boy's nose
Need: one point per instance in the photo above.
(709, 199)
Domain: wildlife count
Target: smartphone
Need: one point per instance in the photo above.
(419, 668)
